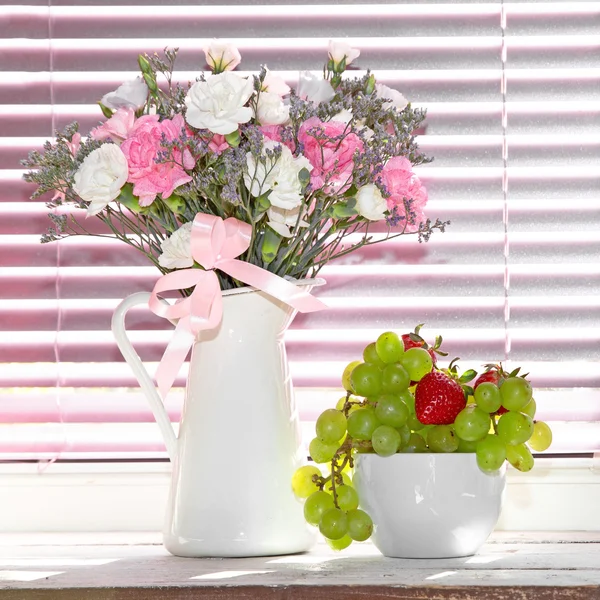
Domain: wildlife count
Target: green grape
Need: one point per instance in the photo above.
(404, 432)
(316, 506)
(322, 452)
(472, 423)
(362, 423)
(302, 481)
(516, 393)
(334, 524)
(394, 379)
(360, 525)
(370, 356)
(541, 437)
(530, 408)
(514, 428)
(389, 347)
(413, 423)
(464, 446)
(491, 453)
(415, 444)
(347, 497)
(386, 440)
(331, 426)
(409, 399)
(487, 397)
(441, 438)
(520, 457)
(366, 380)
(339, 405)
(390, 410)
(417, 362)
(340, 544)
(346, 383)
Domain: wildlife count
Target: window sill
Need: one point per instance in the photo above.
(558, 495)
(69, 567)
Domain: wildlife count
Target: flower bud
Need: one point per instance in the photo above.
(144, 64)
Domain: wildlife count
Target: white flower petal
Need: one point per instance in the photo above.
(314, 89)
(131, 94)
(217, 104)
(177, 249)
(370, 203)
(101, 176)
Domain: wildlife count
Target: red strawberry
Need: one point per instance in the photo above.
(414, 340)
(487, 377)
(491, 376)
(438, 399)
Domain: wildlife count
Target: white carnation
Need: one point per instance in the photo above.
(280, 177)
(344, 116)
(280, 220)
(313, 88)
(217, 104)
(370, 203)
(101, 176)
(271, 110)
(132, 94)
(394, 97)
(177, 249)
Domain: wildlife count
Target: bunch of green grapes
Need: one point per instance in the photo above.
(381, 414)
(499, 423)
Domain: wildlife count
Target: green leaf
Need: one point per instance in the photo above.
(126, 198)
(515, 372)
(370, 87)
(262, 206)
(304, 177)
(107, 112)
(468, 390)
(270, 247)
(233, 138)
(468, 376)
(343, 210)
(175, 203)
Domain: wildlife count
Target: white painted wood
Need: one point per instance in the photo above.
(549, 560)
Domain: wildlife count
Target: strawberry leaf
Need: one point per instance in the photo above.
(468, 376)
(515, 372)
(468, 390)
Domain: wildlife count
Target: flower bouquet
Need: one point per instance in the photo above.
(310, 170)
(427, 448)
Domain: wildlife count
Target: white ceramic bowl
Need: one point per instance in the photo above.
(428, 505)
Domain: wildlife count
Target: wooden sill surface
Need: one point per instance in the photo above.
(524, 566)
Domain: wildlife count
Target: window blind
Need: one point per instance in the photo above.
(512, 91)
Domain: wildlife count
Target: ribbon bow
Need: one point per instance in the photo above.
(215, 245)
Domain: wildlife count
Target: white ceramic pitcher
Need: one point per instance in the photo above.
(239, 439)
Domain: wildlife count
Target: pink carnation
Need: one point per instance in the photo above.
(218, 143)
(273, 132)
(142, 149)
(330, 148)
(117, 127)
(403, 185)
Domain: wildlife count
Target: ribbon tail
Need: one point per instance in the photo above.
(174, 357)
(272, 284)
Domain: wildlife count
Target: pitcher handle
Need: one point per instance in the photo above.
(139, 370)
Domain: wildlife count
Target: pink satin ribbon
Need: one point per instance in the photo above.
(215, 245)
